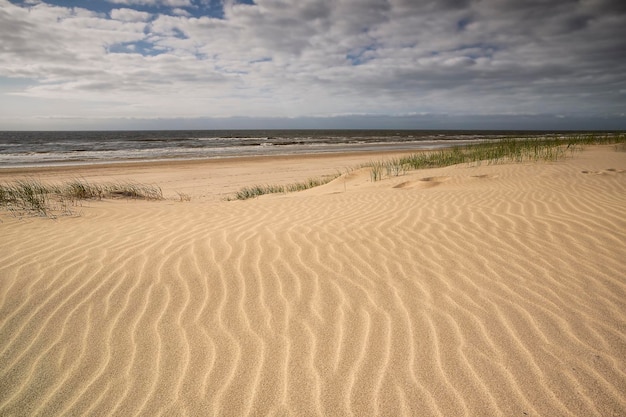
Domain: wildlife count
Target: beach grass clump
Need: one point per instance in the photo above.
(395, 167)
(432, 159)
(309, 183)
(506, 150)
(25, 195)
(254, 191)
(133, 190)
(33, 194)
(376, 170)
(258, 190)
(80, 190)
(30, 196)
(183, 196)
(391, 168)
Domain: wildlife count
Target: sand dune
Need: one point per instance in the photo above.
(467, 290)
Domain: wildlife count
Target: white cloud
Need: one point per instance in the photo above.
(180, 12)
(169, 3)
(129, 15)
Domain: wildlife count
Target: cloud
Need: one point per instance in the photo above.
(129, 15)
(288, 58)
(153, 3)
(181, 12)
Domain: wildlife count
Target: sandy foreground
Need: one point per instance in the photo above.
(491, 290)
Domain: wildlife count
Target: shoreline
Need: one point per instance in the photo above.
(104, 148)
(298, 146)
(198, 161)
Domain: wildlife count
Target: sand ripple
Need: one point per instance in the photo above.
(491, 290)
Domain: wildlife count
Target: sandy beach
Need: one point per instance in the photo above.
(482, 290)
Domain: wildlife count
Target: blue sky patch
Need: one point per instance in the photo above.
(463, 23)
(361, 56)
(144, 48)
(257, 61)
(471, 50)
(212, 8)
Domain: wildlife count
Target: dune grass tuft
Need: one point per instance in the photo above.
(32, 197)
(28, 195)
(258, 190)
(133, 190)
(183, 196)
(493, 152)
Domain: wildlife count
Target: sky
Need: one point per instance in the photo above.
(228, 64)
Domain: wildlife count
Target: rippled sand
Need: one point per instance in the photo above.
(477, 291)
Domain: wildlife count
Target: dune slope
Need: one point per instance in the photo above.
(485, 290)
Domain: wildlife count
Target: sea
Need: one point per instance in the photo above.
(56, 148)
